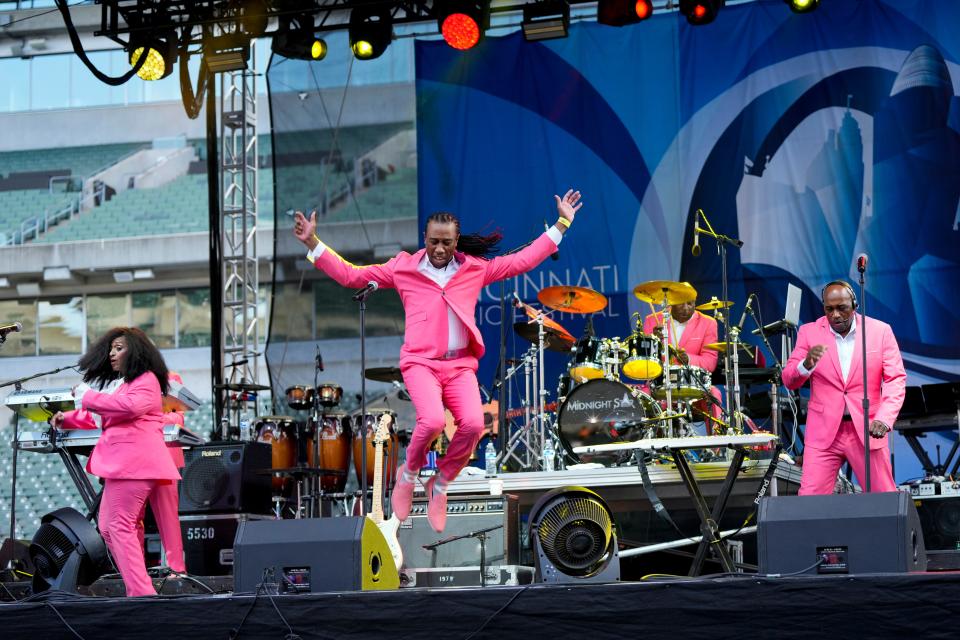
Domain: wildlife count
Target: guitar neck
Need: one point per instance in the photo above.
(376, 513)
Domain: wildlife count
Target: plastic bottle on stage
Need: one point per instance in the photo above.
(490, 459)
(549, 455)
(246, 435)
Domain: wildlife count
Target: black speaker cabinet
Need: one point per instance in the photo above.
(208, 541)
(226, 478)
(312, 556)
(847, 533)
(465, 514)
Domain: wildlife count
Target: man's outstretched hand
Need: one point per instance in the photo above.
(568, 205)
(305, 230)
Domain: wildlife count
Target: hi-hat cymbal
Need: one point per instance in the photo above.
(714, 304)
(572, 299)
(553, 340)
(722, 346)
(242, 386)
(665, 292)
(383, 374)
(548, 322)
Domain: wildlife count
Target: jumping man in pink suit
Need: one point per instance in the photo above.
(439, 287)
(829, 354)
(130, 456)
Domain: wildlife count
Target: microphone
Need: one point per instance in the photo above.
(556, 254)
(746, 310)
(695, 249)
(517, 302)
(319, 360)
(15, 327)
(367, 290)
(862, 262)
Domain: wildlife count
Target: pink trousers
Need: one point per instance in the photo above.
(165, 504)
(433, 385)
(820, 466)
(120, 509)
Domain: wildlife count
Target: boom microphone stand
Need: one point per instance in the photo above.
(862, 303)
(361, 297)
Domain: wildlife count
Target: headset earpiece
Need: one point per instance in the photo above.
(846, 285)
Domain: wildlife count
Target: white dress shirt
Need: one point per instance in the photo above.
(677, 333)
(845, 345)
(457, 335)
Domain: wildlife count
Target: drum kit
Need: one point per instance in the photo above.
(614, 390)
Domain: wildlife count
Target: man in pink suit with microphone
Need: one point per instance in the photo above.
(439, 286)
(829, 355)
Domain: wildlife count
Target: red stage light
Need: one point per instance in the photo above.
(644, 8)
(460, 31)
(699, 11)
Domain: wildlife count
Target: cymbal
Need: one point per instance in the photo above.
(553, 340)
(722, 346)
(714, 304)
(383, 374)
(548, 322)
(654, 292)
(572, 299)
(242, 386)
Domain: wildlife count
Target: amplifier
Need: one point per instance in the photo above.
(208, 541)
(509, 575)
(228, 477)
(465, 515)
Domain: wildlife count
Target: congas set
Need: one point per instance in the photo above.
(280, 433)
(391, 448)
(642, 359)
(688, 383)
(300, 397)
(329, 394)
(605, 411)
(333, 448)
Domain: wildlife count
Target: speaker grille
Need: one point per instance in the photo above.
(205, 481)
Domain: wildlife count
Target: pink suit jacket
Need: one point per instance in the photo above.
(131, 446)
(425, 303)
(829, 393)
(700, 330)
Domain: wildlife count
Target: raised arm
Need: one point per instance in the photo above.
(333, 264)
(137, 398)
(792, 378)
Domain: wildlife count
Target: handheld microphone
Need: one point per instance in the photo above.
(14, 327)
(695, 249)
(556, 254)
(862, 262)
(746, 310)
(367, 290)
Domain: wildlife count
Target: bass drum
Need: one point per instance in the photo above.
(605, 411)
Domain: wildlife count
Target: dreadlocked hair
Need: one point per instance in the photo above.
(472, 244)
(141, 356)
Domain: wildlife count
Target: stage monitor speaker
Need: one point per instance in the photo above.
(845, 533)
(208, 541)
(312, 556)
(226, 477)
(465, 515)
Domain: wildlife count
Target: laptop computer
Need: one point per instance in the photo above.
(792, 313)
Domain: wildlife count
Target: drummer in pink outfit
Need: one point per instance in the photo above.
(130, 455)
(439, 286)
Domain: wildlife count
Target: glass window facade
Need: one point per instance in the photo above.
(105, 312)
(60, 325)
(24, 342)
(156, 314)
(194, 307)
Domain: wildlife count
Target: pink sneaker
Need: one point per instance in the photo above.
(402, 496)
(437, 507)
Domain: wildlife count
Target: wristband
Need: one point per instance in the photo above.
(564, 222)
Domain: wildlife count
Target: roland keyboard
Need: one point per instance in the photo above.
(39, 404)
(83, 440)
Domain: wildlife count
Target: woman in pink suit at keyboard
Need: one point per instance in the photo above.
(439, 286)
(131, 455)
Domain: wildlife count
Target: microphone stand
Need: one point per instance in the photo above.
(479, 534)
(15, 445)
(732, 335)
(862, 304)
(361, 298)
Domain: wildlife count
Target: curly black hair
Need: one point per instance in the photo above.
(472, 244)
(141, 356)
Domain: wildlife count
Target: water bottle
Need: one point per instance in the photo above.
(490, 459)
(245, 434)
(549, 455)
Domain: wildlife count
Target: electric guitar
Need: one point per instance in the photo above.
(387, 527)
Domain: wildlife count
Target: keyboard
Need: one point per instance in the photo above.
(689, 442)
(85, 439)
(39, 404)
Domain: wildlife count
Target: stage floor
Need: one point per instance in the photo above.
(857, 606)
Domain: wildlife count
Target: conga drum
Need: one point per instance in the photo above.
(329, 394)
(334, 445)
(391, 448)
(300, 397)
(281, 434)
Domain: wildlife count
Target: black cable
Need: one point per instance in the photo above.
(65, 623)
(496, 613)
(795, 573)
(267, 573)
(78, 49)
(9, 593)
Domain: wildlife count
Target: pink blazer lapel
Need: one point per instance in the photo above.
(856, 362)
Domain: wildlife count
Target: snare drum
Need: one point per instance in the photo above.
(300, 397)
(642, 361)
(329, 394)
(689, 383)
(334, 451)
(587, 359)
(604, 411)
(280, 433)
(391, 448)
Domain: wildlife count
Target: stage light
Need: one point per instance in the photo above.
(462, 23)
(67, 551)
(699, 12)
(617, 13)
(295, 39)
(546, 20)
(161, 54)
(802, 6)
(371, 30)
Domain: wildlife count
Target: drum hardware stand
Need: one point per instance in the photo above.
(479, 534)
(665, 351)
(733, 390)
